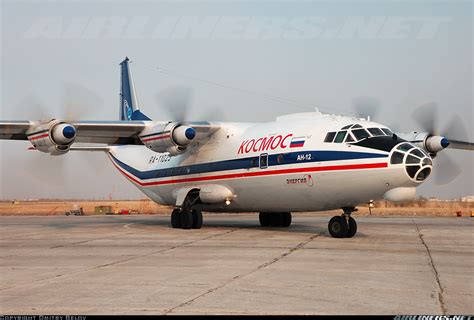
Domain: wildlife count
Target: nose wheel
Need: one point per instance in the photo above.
(343, 226)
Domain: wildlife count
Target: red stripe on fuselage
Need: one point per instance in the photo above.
(256, 174)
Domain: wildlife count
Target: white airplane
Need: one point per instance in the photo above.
(299, 162)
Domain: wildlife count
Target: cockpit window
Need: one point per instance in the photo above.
(349, 138)
(356, 126)
(387, 131)
(340, 136)
(405, 147)
(360, 134)
(346, 127)
(397, 158)
(376, 131)
(418, 153)
(330, 137)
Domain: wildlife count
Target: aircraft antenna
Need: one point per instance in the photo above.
(243, 90)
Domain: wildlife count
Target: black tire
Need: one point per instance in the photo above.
(197, 219)
(352, 230)
(338, 227)
(186, 219)
(264, 218)
(276, 219)
(286, 219)
(175, 219)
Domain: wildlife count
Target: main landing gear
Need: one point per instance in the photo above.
(275, 219)
(343, 226)
(186, 217)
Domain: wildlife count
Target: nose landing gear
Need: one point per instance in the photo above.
(343, 226)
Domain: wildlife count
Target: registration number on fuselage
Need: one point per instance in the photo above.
(160, 158)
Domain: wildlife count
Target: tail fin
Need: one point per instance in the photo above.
(129, 109)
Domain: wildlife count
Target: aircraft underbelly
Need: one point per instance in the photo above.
(294, 192)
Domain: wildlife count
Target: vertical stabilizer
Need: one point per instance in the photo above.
(129, 109)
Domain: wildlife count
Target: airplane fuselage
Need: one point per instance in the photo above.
(273, 167)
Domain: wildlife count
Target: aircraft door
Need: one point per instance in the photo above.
(264, 161)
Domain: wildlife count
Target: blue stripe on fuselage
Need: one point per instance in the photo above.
(249, 162)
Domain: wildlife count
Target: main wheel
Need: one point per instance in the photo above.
(276, 219)
(285, 219)
(186, 219)
(175, 219)
(197, 219)
(338, 227)
(265, 219)
(352, 228)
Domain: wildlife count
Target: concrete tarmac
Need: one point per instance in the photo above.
(138, 265)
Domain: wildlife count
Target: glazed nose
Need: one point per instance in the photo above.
(418, 164)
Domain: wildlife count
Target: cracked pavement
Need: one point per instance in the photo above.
(138, 265)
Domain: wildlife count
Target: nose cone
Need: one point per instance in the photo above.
(418, 164)
(444, 142)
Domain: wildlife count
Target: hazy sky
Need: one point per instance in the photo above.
(310, 53)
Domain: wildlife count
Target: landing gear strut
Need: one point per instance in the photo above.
(343, 226)
(275, 219)
(185, 217)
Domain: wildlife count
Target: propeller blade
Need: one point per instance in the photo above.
(176, 101)
(33, 108)
(455, 129)
(366, 106)
(78, 101)
(460, 145)
(446, 170)
(45, 168)
(213, 113)
(426, 116)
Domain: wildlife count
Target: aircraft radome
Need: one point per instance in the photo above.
(299, 162)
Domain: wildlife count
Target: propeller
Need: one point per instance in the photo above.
(365, 106)
(76, 102)
(427, 116)
(177, 103)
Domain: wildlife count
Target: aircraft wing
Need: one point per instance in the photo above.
(109, 132)
(104, 132)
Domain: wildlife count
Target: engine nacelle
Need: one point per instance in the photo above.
(435, 144)
(172, 137)
(430, 143)
(54, 137)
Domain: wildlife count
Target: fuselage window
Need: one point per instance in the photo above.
(349, 138)
(340, 136)
(387, 131)
(330, 137)
(280, 159)
(254, 162)
(375, 131)
(360, 134)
